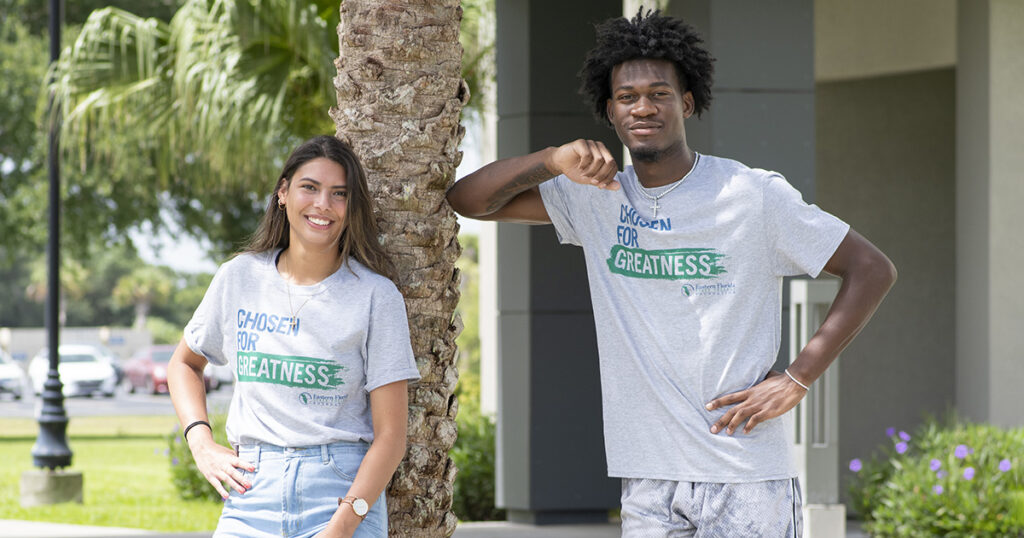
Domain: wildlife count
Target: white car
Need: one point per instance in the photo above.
(12, 377)
(83, 369)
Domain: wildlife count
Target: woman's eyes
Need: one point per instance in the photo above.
(312, 188)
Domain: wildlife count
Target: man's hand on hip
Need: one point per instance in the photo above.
(766, 400)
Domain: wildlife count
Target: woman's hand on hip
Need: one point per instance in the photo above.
(220, 465)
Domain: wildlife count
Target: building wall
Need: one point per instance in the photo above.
(885, 164)
(868, 38)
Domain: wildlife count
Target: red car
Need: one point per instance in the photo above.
(147, 370)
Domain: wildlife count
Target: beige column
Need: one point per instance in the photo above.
(990, 202)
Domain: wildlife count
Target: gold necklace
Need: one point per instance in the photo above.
(295, 313)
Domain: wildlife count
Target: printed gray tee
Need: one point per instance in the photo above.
(687, 307)
(307, 383)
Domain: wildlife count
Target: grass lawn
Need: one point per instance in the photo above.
(127, 478)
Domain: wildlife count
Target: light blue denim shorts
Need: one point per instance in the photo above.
(295, 492)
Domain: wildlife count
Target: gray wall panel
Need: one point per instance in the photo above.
(886, 166)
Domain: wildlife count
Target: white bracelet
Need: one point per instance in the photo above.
(795, 381)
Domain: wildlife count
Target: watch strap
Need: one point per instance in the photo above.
(350, 501)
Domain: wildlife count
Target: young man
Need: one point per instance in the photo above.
(685, 255)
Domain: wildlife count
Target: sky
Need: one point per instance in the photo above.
(181, 252)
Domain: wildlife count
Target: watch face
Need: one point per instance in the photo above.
(360, 507)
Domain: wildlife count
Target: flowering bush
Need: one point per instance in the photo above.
(956, 480)
(186, 477)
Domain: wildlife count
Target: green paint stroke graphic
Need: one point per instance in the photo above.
(290, 371)
(671, 264)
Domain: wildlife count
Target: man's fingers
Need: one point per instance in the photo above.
(754, 421)
(596, 163)
(722, 422)
(607, 175)
(585, 155)
(728, 399)
(741, 413)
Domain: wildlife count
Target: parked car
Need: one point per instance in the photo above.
(222, 375)
(114, 360)
(147, 370)
(12, 377)
(83, 369)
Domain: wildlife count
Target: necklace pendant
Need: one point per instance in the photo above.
(292, 323)
(655, 208)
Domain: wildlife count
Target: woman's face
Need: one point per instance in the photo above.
(316, 199)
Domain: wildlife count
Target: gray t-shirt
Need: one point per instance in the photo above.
(306, 384)
(687, 307)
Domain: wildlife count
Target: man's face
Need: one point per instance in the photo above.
(648, 106)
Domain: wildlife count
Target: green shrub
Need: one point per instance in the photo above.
(955, 480)
(473, 455)
(188, 481)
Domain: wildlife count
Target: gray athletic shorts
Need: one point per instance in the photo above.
(664, 508)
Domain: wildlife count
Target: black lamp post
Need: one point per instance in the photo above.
(51, 450)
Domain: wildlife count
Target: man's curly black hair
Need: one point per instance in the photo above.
(651, 36)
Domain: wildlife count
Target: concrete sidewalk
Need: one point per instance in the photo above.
(488, 529)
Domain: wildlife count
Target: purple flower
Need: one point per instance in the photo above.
(935, 465)
(904, 435)
(938, 489)
(940, 475)
(167, 451)
(174, 461)
(156, 451)
(856, 465)
(1005, 465)
(901, 447)
(969, 473)
(960, 451)
(890, 431)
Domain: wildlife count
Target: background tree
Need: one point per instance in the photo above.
(73, 280)
(399, 97)
(141, 288)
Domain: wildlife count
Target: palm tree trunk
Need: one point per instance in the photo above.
(399, 97)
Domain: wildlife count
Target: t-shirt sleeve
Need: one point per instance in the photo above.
(389, 355)
(801, 236)
(204, 333)
(557, 195)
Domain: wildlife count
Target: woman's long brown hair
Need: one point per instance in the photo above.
(359, 238)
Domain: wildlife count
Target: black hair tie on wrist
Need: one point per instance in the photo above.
(184, 434)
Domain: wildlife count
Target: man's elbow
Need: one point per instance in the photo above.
(880, 269)
(462, 205)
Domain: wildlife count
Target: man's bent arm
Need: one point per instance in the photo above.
(507, 190)
(867, 276)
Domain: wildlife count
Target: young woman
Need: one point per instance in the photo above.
(318, 338)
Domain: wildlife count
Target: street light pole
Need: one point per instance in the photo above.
(51, 449)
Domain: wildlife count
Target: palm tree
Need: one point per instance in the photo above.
(145, 286)
(207, 105)
(209, 102)
(74, 278)
(399, 97)
(218, 95)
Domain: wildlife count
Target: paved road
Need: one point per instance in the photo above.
(121, 404)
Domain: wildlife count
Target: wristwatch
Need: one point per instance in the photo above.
(359, 506)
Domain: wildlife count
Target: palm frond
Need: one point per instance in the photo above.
(212, 94)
